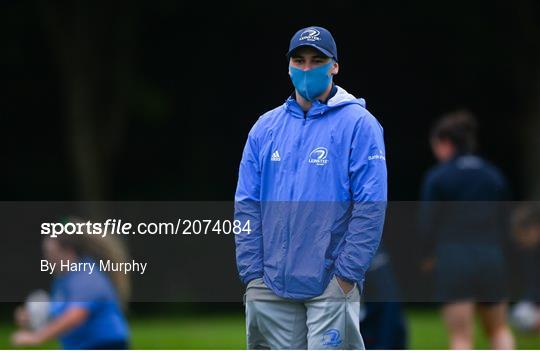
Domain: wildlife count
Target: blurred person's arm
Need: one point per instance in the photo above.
(22, 318)
(427, 220)
(70, 319)
(249, 246)
(368, 179)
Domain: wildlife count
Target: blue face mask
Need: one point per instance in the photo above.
(312, 83)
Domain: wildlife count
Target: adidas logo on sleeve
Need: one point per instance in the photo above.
(275, 156)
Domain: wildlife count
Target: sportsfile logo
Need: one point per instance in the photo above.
(310, 34)
(318, 156)
(275, 156)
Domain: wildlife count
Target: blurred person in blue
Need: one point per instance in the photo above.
(463, 227)
(85, 310)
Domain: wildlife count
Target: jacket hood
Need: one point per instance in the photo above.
(318, 108)
(342, 97)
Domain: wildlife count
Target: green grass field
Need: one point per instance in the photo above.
(227, 332)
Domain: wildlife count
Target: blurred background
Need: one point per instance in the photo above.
(153, 100)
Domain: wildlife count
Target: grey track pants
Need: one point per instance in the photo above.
(328, 321)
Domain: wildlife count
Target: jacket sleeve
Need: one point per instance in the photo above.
(249, 245)
(368, 186)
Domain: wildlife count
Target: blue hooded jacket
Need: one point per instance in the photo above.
(313, 187)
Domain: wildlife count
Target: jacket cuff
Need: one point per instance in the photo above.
(251, 276)
(347, 277)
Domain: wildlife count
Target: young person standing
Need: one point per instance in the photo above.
(313, 187)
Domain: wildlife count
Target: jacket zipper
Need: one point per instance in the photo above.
(296, 164)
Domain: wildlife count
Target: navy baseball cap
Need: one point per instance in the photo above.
(316, 37)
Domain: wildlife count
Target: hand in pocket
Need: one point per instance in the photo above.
(345, 286)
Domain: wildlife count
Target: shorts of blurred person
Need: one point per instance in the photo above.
(85, 308)
(462, 225)
(383, 323)
(470, 271)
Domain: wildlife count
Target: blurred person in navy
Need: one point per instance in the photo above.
(383, 322)
(462, 224)
(86, 309)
